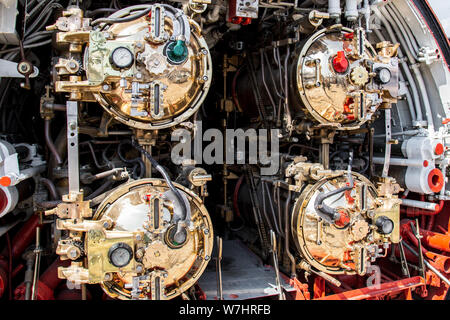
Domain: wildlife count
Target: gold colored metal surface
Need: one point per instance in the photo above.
(153, 92)
(341, 100)
(359, 76)
(131, 212)
(334, 249)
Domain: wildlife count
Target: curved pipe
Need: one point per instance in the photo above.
(384, 16)
(286, 232)
(51, 146)
(51, 188)
(405, 67)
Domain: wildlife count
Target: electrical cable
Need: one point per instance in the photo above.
(180, 236)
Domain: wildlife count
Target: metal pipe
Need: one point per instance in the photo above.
(405, 67)
(429, 266)
(286, 232)
(351, 10)
(108, 173)
(405, 25)
(409, 99)
(334, 8)
(426, 212)
(420, 204)
(414, 66)
(49, 142)
(393, 16)
(51, 188)
(37, 263)
(401, 162)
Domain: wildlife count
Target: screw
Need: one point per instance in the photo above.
(106, 87)
(206, 258)
(73, 253)
(108, 277)
(206, 231)
(106, 225)
(139, 268)
(138, 75)
(72, 125)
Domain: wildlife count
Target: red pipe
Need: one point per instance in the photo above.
(19, 244)
(436, 240)
(379, 290)
(439, 261)
(23, 237)
(47, 282)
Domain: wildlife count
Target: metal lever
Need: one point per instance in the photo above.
(219, 268)
(8, 69)
(37, 263)
(403, 261)
(273, 242)
(440, 275)
(416, 233)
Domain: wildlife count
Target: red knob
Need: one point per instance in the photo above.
(340, 62)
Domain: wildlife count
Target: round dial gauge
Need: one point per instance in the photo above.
(122, 58)
(120, 254)
(384, 75)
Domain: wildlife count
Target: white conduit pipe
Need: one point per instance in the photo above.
(402, 20)
(405, 68)
(409, 100)
(414, 66)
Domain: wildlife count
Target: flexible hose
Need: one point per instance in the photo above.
(124, 19)
(50, 144)
(327, 212)
(180, 235)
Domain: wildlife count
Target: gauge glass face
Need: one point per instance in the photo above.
(120, 257)
(122, 57)
(384, 75)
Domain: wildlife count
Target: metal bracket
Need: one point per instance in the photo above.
(8, 69)
(72, 146)
(273, 243)
(219, 268)
(387, 152)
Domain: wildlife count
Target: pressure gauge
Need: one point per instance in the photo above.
(120, 254)
(384, 225)
(121, 58)
(383, 75)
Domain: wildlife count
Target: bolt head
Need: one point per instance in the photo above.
(73, 253)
